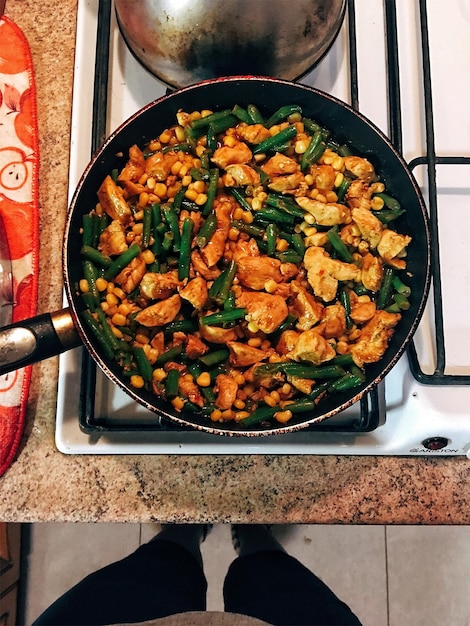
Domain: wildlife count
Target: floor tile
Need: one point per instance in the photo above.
(428, 575)
(61, 554)
(349, 559)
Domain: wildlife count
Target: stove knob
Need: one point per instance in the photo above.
(435, 443)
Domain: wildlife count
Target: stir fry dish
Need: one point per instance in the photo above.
(244, 266)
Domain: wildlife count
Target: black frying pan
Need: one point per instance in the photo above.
(45, 338)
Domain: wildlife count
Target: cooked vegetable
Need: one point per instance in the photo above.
(244, 265)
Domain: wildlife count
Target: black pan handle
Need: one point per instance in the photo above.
(32, 340)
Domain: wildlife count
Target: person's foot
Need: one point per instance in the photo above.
(250, 538)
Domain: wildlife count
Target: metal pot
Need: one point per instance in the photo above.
(189, 41)
(42, 337)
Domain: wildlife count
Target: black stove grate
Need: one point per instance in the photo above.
(370, 411)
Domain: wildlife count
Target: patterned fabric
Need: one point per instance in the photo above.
(19, 207)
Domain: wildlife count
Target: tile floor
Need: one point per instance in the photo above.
(389, 576)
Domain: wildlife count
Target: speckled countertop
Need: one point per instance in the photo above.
(42, 484)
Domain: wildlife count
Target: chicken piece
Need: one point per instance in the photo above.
(324, 177)
(195, 347)
(161, 313)
(392, 246)
(287, 342)
(245, 248)
(253, 133)
(237, 154)
(158, 165)
(305, 385)
(217, 334)
(292, 183)
(226, 388)
(201, 268)
(369, 225)
(133, 189)
(195, 292)
(243, 355)
(289, 270)
(333, 322)
(319, 239)
(325, 213)
(240, 176)
(159, 286)
(253, 272)
(130, 277)
(312, 348)
(135, 166)
(113, 239)
(358, 195)
(280, 165)
(158, 342)
(306, 307)
(374, 338)
(214, 248)
(324, 273)
(362, 312)
(189, 389)
(359, 167)
(112, 201)
(267, 311)
(371, 272)
(194, 216)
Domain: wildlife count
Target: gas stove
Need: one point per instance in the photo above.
(401, 64)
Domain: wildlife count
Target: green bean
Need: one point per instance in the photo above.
(250, 229)
(261, 414)
(344, 151)
(282, 114)
(254, 114)
(211, 191)
(147, 227)
(211, 140)
(348, 381)
(385, 288)
(289, 256)
(207, 230)
(342, 189)
(242, 114)
(229, 302)
(389, 202)
(311, 126)
(298, 369)
(91, 274)
(171, 384)
(240, 198)
(311, 151)
(88, 230)
(284, 204)
(220, 125)
(400, 287)
(275, 142)
(167, 243)
(288, 323)
(216, 285)
(169, 355)
(98, 334)
(271, 238)
(270, 214)
(339, 246)
(179, 147)
(295, 240)
(178, 199)
(172, 221)
(342, 359)
(402, 301)
(122, 261)
(388, 215)
(143, 365)
(215, 319)
(226, 285)
(185, 326)
(95, 256)
(203, 122)
(115, 343)
(213, 358)
(185, 250)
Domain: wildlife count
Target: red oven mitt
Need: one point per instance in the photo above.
(19, 207)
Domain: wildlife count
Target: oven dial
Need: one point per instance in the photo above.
(435, 443)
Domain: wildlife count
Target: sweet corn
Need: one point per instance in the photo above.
(201, 199)
(216, 415)
(269, 400)
(204, 379)
(247, 217)
(159, 374)
(283, 416)
(270, 286)
(241, 415)
(239, 404)
(160, 190)
(84, 287)
(339, 179)
(165, 136)
(179, 133)
(118, 319)
(178, 403)
(282, 245)
(148, 256)
(111, 299)
(137, 381)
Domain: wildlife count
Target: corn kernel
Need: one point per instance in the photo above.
(338, 163)
(101, 283)
(266, 345)
(179, 133)
(339, 179)
(321, 198)
(286, 389)
(233, 233)
(239, 378)
(160, 190)
(283, 416)
(301, 146)
(125, 308)
(142, 338)
(331, 196)
(165, 136)
(148, 256)
(154, 145)
(137, 381)
(204, 379)
(270, 285)
(247, 217)
(216, 415)
(269, 400)
(282, 245)
(253, 327)
(238, 213)
(275, 396)
(229, 140)
(241, 415)
(111, 299)
(159, 374)
(175, 168)
(84, 287)
(376, 204)
(118, 319)
(110, 287)
(178, 403)
(239, 404)
(309, 179)
(201, 199)
(228, 414)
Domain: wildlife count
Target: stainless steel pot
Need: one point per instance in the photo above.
(186, 41)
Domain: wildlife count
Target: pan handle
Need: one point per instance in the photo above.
(29, 341)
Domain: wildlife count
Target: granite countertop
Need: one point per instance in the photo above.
(44, 485)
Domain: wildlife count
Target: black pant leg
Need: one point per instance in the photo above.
(273, 586)
(160, 578)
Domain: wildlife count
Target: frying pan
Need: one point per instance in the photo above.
(53, 333)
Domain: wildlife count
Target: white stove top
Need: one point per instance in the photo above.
(414, 411)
